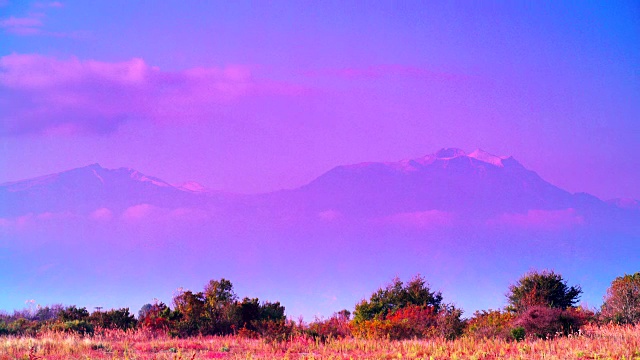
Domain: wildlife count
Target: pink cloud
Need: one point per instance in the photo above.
(150, 213)
(22, 25)
(29, 220)
(102, 214)
(47, 95)
(540, 219)
(421, 219)
(141, 211)
(50, 4)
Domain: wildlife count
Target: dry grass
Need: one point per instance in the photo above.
(608, 342)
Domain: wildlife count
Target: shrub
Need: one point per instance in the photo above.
(490, 324)
(546, 322)
(544, 288)
(113, 319)
(622, 301)
(335, 327)
(157, 317)
(404, 312)
(275, 331)
(72, 313)
(81, 327)
(449, 325)
(396, 296)
(517, 333)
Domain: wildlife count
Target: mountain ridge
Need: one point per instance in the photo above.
(450, 179)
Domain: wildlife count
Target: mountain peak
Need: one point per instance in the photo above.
(449, 153)
(484, 156)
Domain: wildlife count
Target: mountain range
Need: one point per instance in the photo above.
(472, 223)
(475, 184)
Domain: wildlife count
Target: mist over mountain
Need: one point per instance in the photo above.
(470, 222)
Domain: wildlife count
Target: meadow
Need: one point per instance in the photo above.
(593, 342)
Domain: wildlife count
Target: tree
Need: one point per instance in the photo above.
(622, 301)
(219, 293)
(220, 307)
(544, 288)
(396, 296)
(114, 319)
(191, 308)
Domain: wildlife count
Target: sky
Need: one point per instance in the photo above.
(257, 96)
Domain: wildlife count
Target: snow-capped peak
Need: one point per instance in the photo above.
(191, 186)
(136, 175)
(484, 156)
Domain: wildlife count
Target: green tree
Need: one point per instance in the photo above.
(72, 313)
(396, 296)
(113, 319)
(544, 288)
(220, 307)
(622, 301)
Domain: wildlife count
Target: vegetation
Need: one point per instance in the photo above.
(622, 302)
(214, 323)
(544, 288)
(594, 342)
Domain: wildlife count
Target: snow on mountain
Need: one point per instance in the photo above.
(448, 180)
(484, 156)
(191, 186)
(477, 184)
(89, 188)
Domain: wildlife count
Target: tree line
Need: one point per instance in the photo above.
(540, 304)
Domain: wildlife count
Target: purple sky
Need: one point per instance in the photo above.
(252, 97)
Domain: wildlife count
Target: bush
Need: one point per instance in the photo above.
(622, 301)
(113, 319)
(405, 312)
(157, 317)
(518, 333)
(544, 288)
(81, 327)
(449, 325)
(72, 313)
(546, 322)
(490, 324)
(396, 296)
(336, 327)
(275, 331)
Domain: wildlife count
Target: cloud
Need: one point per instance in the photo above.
(421, 219)
(150, 213)
(22, 25)
(49, 4)
(540, 219)
(102, 214)
(29, 220)
(40, 94)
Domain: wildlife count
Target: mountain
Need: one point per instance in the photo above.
(89, 188)
(477, 184)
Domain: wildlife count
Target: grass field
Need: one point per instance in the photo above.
(607, 342)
